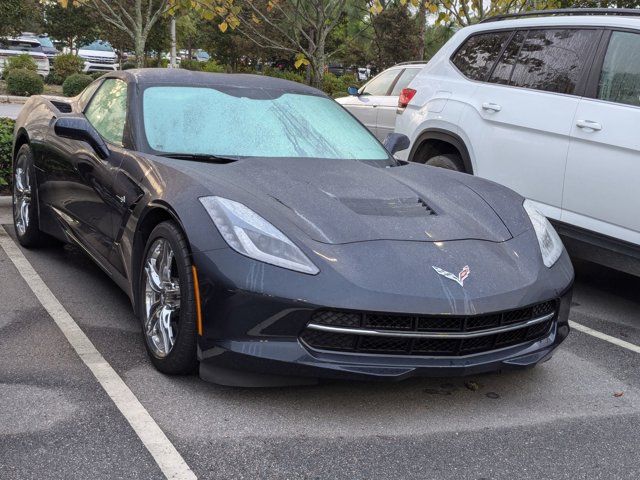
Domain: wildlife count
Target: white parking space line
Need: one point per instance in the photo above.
(605, 337)
(164, 453)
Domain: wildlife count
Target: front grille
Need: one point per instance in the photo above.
(390, 324)
(103, 60)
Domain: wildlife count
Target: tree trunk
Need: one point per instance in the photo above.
(422, 21)
(139, 43)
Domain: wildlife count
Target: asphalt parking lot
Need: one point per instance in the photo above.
(576, 416)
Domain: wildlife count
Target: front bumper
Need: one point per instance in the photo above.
(255, 315)
(280, 360)
(99, 67)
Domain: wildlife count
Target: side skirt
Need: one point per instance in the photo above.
(598, 248)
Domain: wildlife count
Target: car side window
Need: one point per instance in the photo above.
(554, 60)
(404, 80)
(381, 84)
(107, 111)
(88, 92)
(504, 68)
(476, 57)
(620, 77)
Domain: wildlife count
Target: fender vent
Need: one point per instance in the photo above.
(62, 107)
(393, 207)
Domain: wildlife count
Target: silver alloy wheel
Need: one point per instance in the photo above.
(162, 298)
(22, 199)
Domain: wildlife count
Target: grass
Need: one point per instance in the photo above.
(48, 89)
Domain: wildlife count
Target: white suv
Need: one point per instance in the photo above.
(549, 106)
(98, 56)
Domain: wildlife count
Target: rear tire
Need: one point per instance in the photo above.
(166, 301)
(450, 161)
(25, 201)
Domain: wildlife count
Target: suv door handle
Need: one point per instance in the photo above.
(491, 107)
(589, 125)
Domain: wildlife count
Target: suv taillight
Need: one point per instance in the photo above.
(405, 97)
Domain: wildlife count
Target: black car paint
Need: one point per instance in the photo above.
(253, 312)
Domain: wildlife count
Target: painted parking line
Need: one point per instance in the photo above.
(603, 336)
(156, 442)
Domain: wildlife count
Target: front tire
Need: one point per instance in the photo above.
(25, 201)
(166, 301)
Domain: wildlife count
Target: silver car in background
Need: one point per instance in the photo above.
(376, 102)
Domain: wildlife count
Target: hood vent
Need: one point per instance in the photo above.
(62, 107)
(392, 207)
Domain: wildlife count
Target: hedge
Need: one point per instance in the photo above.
(191, 65)
(6, 140)
(24, 82)
(67, 64)
(22, 61)
(75, 84)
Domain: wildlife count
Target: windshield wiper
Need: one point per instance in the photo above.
(200, 157)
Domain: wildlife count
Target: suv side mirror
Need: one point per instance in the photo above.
(78, 128)
(353, 91)
(396, 142)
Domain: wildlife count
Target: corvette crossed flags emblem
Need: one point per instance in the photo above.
(459, 279)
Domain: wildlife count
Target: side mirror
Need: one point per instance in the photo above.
(353, 91)
(396, 142)
(79, 128)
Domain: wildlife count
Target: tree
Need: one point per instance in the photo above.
(19, 15)
(396, 36)
(297, 27)
(74, 23)
(135, 18)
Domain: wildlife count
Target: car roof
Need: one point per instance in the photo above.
(558, 21)
(178, 76)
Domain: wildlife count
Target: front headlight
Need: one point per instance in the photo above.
(550, 244)
(251, 235)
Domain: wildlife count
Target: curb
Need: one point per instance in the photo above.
(13, 99)
(5, 200)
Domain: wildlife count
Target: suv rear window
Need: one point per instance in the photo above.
(477, 55)
(553, 60)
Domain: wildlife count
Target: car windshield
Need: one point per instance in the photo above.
(45, 42)
(243, 122)
(98, 46)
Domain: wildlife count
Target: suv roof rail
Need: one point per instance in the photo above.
(622, 12)
(413, 62)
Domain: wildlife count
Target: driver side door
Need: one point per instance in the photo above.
(81, 188)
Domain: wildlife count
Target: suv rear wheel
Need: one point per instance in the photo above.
(450, 161)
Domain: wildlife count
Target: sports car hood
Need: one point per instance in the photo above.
(340, 201)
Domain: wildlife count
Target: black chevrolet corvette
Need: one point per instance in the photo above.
(264, 235)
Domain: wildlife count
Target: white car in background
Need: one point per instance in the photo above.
(98, 56)
(375, 103)
(546, 105)
(12, 47)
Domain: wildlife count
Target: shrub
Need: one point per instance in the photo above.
(285, 74)
(67, 64)
(6, 140)
(128, 65)
(75, 84)
(53, 79)
(191, 65)
(96, 75)
(213, 67)
(24, 82)
(22, 61)
(337, 86)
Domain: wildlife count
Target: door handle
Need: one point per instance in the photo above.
(491, 107)
(589, 125)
